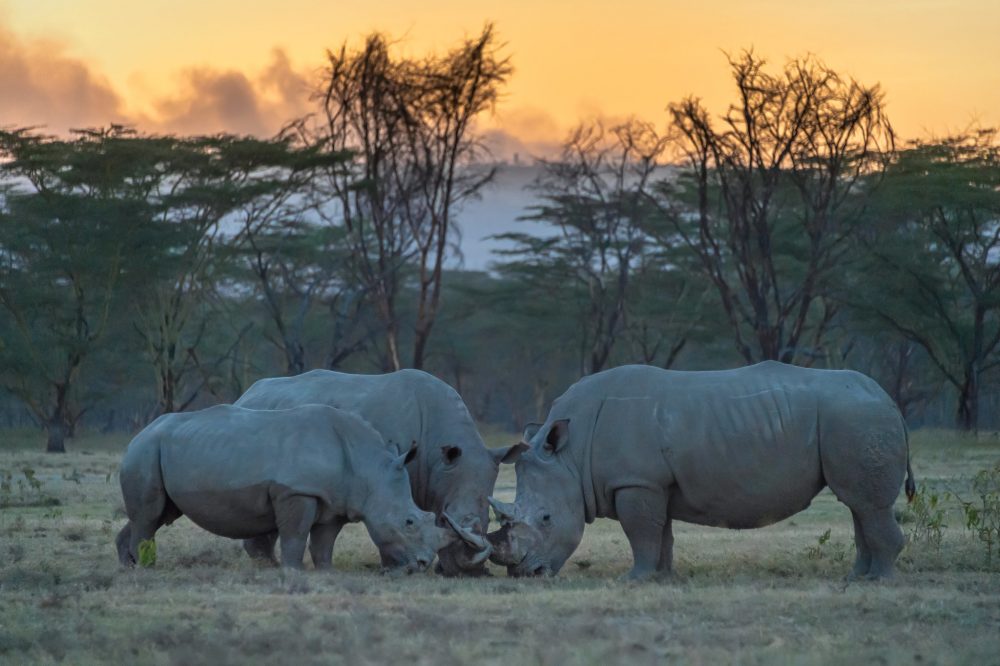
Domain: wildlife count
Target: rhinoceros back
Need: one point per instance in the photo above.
(221, 465)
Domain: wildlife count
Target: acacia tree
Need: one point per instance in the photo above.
(409, 125)
(296, 262)
(596, 197)
(71, 217)
(181, 262)
(771, 194)
(935, 249)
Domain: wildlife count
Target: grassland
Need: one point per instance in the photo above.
(773, 595)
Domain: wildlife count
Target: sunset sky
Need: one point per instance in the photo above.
(181, 65)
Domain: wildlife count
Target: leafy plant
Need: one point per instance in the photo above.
(147, 553)
(926, 512)
(816, 552)
(982, 517)
(23, 491)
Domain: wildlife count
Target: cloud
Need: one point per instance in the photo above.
(210, 100)
(42, 84)
(523, 133)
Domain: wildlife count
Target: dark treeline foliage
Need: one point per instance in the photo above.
(143, 274)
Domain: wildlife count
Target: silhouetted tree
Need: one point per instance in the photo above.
(595, 196)
(773, 195)
(72, 215)
(936, 250)
(408, 123)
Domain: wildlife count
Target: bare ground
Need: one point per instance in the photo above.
(772, 595)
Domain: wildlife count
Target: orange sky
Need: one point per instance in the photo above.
(183, 65)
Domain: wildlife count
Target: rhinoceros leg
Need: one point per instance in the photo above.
(643, 515)
(666, 564)
(143, 528)
(885, 540)
(295, 516)
(863, 561)
(865, 469)
(122, 543)
(262, 547)
(321, 540)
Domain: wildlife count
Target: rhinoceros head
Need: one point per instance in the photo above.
(462, 479)
(407, 538)
(545, 524)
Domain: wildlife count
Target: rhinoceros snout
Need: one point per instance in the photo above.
(537, 571)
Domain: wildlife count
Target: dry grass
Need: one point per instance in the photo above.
(762, 596)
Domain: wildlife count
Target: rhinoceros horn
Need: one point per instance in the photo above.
(505, 512)
(471, 538)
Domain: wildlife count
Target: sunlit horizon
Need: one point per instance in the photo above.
(181, 67)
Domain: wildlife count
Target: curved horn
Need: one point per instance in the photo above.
(468, 536)
(503, 510)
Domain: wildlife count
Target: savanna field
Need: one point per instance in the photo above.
(772, 595)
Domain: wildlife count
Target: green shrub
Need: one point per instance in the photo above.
(23, 492)
(982, 516)
(816, 552)
(147, 553)
(926, 513)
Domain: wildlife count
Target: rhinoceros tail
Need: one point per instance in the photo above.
(910, 486)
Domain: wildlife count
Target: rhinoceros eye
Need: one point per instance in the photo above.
(546, 517)
(409, 521)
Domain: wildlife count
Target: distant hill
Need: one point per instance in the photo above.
(496, 212)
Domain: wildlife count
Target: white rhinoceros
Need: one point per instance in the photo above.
(737, 448)
(452, 474)
(301, 472)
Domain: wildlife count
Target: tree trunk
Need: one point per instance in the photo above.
(967, 418)
(56, 430)
(421, 334)
(391, 362)
(295, 358)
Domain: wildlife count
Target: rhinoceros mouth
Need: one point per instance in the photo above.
(529, 570)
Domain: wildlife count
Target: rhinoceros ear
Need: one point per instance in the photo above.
(530, 431)
(557, 436)
(509, 454)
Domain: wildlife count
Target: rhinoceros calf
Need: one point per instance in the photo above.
(453, 472)
(737, 448)
(301, 472)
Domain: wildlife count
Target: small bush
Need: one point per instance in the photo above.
(982, 515)
(16, 491)
(147, 553)
(816, 552)
(926, 514)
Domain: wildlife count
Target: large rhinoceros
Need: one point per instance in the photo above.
(454, 472)
(302, 472)
(737, 448)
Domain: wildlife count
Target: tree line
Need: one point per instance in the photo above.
(143, 274)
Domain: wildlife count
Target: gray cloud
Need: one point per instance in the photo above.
(42, 84)
(211, 100)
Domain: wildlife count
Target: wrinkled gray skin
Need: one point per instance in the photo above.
(737, 448)
(302, 473)
(453, 472)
